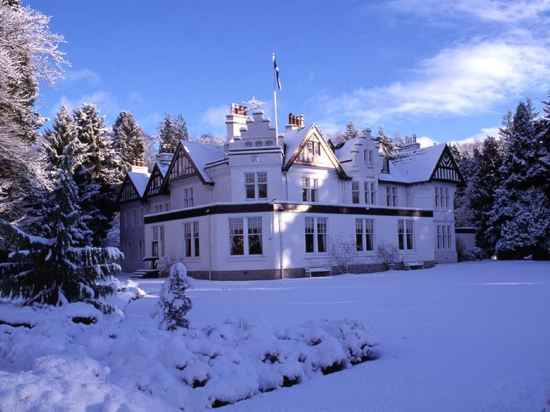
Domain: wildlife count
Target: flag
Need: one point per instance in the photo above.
(276, 73)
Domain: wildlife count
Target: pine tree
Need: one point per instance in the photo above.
(468, 165)
(128, 141)
(516, 199)
(97, 174)
(484, 182)
(29, 52)
(173, 302)
(54, 270)
(171, 132)
(351, 132)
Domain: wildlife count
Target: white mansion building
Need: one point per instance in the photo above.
(265, 206)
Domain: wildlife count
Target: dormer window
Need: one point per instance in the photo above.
(368, 157)
(310, 151)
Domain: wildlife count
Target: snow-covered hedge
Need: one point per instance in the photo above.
(119, 361)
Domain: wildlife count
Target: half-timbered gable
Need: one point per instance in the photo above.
(446, 169)
(155, 182)
(128, 192)
(308, 147)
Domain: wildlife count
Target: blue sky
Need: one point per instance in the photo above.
(445, 70)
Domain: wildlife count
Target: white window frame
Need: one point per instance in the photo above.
(256, 180)
(191, 236)
(319, 222)
(158, 238)
(188, 197)
(364, 231)
(247, 224)
(369, 192)
(310, 189)
(355, 192)
(392, 199)
(406, 240)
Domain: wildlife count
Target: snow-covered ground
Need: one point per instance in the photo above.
(460, 337)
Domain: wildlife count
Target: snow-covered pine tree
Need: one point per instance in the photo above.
(351, 132)
(385, 143)
(54, 270)
(172, 130)
(29, 52)
(97, 174)
(173, 302)
(484, 181)
(467, 163)
(516, 199)
(128, 141)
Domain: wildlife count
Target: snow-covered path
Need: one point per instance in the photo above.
(460, 337)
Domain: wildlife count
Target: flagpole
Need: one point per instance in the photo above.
(275, 104)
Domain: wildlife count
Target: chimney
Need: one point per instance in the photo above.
(235, 121)
(295, 122)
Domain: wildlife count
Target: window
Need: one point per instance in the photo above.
(444, 239)
(367, 157)
(309, 191)
(370, 193)
(364, 234)
(188, 240)
(311, 151)
(251, 244)
(254, 235)
(405, 234)
(391, 196)
(236, 236)
(157, 245)
(196, 239)
(188, 200)
(255, 184)
(315, 233)
(442, 199)
(355, 192)
(192, 241)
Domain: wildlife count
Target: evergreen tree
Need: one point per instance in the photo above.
(97, 174)
(29, 52)
(54, 270)
(516, 199)
(173, 302)
(351, 132)
(468, 165)
(172, 130)
(128, 141)
(484, 182)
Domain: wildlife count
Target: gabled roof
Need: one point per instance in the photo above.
(415, 166)
(201, 154)
(295, 140)
(157, 168)
(139, 180)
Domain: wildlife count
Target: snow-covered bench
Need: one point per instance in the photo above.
(318, 271)
(413, 265)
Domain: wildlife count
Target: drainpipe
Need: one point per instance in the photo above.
(280, 243)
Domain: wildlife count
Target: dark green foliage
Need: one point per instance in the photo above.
(56, 270)
(172, 130)
(128, 142)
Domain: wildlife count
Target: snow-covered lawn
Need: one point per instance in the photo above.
(461, 337)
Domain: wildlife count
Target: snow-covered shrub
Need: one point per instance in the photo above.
(388, 254)
(343, 252)
(174, 304)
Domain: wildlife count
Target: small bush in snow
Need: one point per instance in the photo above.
(174, 304)
(388, 254)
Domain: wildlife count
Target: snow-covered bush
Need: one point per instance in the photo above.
(174, 304)
(388, 254)
(343, 252)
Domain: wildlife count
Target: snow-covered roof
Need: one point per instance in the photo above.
(293, 138)
(201, 154)
(345, 152)
(139, 180)
(415, 166)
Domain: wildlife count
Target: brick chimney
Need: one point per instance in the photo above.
(295, 122)
(235, 121)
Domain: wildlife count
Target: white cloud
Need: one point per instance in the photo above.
(214, 117)
(501, 11)
(105, 102)
(426, 141)
(478, 137)
(464, 79)
(86, 75)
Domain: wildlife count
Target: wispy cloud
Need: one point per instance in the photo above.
(500, 11)
(83, 75)
(459, 80)
(107, 104)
